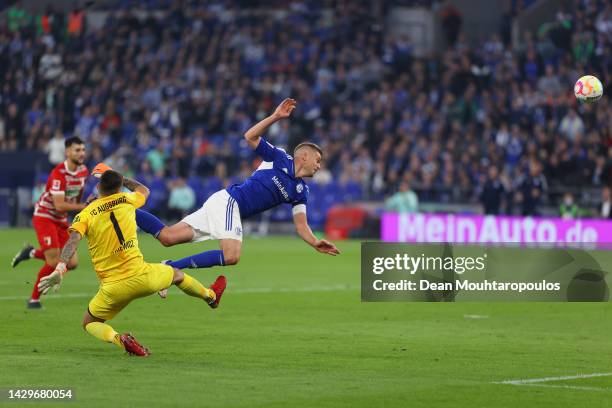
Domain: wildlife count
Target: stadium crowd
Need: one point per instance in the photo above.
(167, 98)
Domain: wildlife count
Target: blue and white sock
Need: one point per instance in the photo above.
(202, 260)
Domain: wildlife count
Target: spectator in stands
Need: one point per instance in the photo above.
(13, 126)
(571, 125)
(405, 201)
(76, 23)
(550, 84)
(605, 207)
(157, 158)
(451, 23)
(88, 123)
(55, 148)
(18, 17)
(182, 199)
(38, 189)
(50, 67)
(532, 189)
(568, 208)
(493, 192)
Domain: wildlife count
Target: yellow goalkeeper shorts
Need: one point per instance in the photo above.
(114, 296)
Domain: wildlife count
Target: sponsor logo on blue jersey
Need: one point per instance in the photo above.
(280, 187)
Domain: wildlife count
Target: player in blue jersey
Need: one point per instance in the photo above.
(278, 180)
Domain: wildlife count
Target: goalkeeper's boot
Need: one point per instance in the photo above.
(218, 287)
(22, 255)
(132, 346)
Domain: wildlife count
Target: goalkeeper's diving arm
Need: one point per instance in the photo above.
(54, 280)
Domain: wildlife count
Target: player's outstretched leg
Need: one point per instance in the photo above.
(149, 223)
(99, 329)
(193, 287)
(25, 253)
(229, 254)
(167, 235)
(204, 259)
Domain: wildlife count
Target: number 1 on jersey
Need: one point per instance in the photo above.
(117, 229)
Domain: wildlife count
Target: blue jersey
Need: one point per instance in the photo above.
(273, 183)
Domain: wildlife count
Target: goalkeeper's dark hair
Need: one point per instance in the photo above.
(73, 140)
(110, 182)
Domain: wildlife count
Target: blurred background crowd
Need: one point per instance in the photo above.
(166, 98)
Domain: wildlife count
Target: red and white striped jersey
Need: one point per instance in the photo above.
(61, 181)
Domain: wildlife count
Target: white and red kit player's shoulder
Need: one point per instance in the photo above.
(61, 181)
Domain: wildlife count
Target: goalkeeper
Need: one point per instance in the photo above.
(109, 223)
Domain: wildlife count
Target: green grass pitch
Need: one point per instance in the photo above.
(291, 331)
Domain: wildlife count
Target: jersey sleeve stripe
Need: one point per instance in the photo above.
(227, 207)
(229, 227)
(231, 213)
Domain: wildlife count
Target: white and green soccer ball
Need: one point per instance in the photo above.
(588, 89)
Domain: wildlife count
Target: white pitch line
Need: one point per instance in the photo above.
(235, 291)
(570, 387)
(538, 382)
(68, 295)
(547, 379)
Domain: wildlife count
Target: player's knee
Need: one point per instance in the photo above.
(88, 318)
(72, 265)
(52, 260)
(165, 239)
(178, 276)
(231, 258)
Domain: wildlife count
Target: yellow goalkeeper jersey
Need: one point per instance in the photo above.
(109, 223)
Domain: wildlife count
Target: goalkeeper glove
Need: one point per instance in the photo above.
(53, 280)
(99, 170)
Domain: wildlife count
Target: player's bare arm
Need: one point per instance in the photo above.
(54, 280)
(253, 135)
(60, 203)
(303, 230)
(70, 247)
(135, 186)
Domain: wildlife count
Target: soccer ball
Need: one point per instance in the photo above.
(588, 89)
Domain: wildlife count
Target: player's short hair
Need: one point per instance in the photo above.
(110, 182)
(73, 140)
(310, 145)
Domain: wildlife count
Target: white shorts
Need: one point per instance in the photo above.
(219, 218)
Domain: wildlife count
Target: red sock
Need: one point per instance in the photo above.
(38, 254)
(44, 271)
